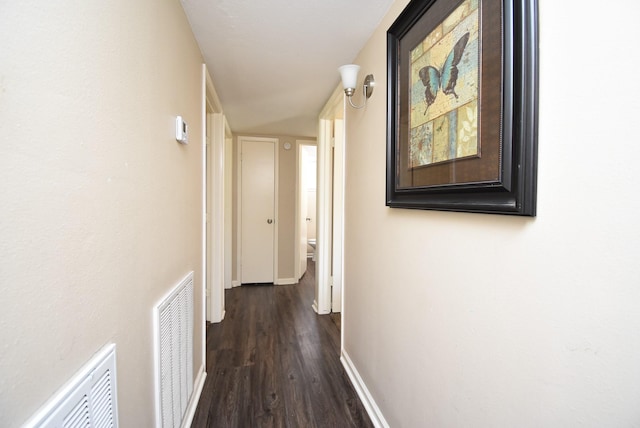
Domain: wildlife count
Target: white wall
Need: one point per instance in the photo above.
(101, 208)
(478, 320)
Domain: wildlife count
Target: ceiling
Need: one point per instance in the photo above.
(274, 62)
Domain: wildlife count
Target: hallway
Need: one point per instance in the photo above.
(273, 362)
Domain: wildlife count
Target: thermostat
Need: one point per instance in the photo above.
(181, 131)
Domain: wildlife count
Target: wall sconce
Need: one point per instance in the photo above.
(349, 74)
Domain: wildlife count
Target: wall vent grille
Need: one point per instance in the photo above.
(174, 355)
(87, 400)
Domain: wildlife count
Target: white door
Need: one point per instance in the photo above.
(257, 210)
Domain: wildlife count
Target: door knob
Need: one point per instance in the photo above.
(269, 221)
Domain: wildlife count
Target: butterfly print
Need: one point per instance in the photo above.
(446, 78)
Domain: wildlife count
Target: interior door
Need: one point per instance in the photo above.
(257, 210)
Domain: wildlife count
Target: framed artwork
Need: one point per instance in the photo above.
(462, 106)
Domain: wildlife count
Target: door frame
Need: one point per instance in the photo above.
(229, 156)
(330, 239)
(299, 271)
(276, 144)
(213, 191)
(337, 231)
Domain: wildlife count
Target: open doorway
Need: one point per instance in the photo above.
(306, 212)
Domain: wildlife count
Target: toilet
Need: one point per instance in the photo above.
(312, 244)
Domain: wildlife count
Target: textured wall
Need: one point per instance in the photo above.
(490, 321)
(102, 209)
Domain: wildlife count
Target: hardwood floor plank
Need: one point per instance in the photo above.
(273, 362)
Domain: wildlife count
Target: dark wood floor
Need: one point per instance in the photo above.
(273, 362)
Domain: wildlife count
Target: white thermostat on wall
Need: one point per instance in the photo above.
(181, 131)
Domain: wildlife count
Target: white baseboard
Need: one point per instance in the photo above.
(195, 398)
(315, 309)
(365, 396)
(235, 283)
(285, 281)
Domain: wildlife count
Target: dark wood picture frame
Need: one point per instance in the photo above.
(500, 176)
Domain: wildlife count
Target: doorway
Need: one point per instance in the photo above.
(258, 213)
(306, 217)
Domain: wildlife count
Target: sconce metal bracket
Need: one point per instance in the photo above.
(369, 83)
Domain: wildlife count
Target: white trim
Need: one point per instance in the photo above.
(285, 281)
(239, 210)
(276, 202)
(203, 338)
(195, 398)
(323, 224)
(202, 374)
(237, 161)
(338, 215)
(333, 109)
(228, 206)
(375, 414)
(214, 280)
(297, 271)
(216, 217)
(299, 268)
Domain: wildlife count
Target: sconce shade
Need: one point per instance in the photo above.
(349, 74)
